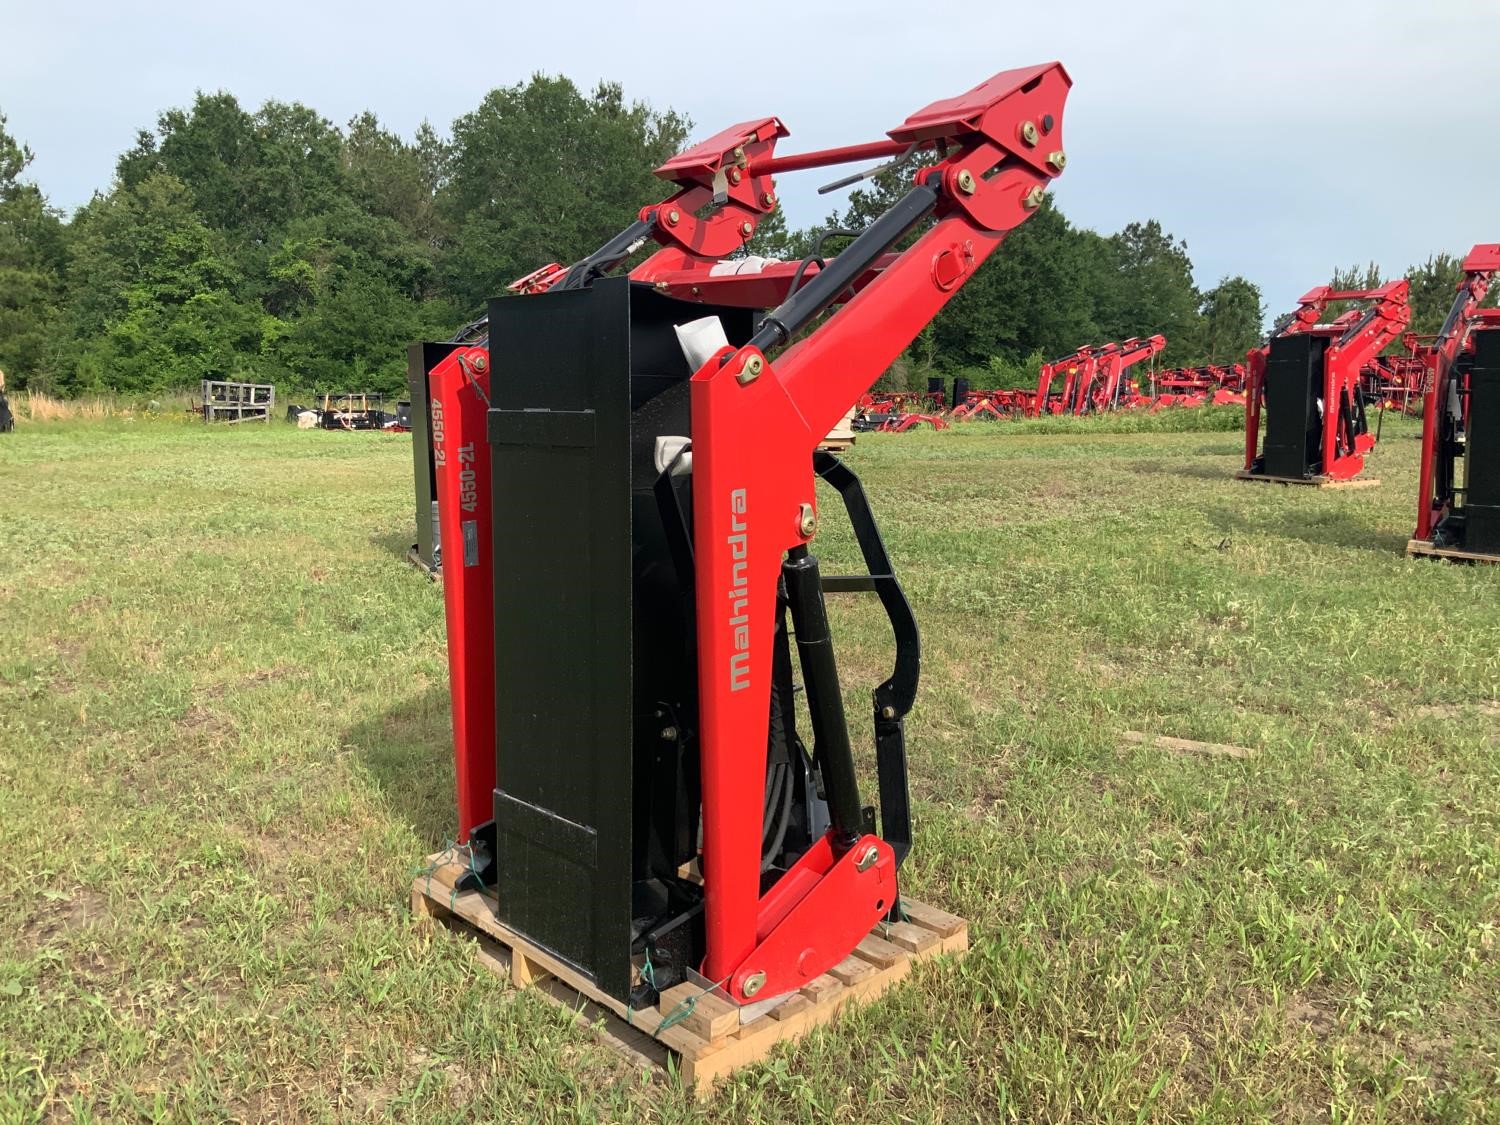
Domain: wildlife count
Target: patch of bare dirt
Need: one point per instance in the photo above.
(203, 721)
(59, 916)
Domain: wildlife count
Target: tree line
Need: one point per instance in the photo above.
(274, 246)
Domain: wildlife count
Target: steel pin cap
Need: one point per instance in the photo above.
(753, 984)
(1033, 198)
(807, 521)
(751, 371)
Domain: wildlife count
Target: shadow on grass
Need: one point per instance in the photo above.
(1224, 472)
(1327, 529)
(394, 543)
(408, 751)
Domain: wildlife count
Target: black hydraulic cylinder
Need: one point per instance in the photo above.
(825, 702)
(783, 322)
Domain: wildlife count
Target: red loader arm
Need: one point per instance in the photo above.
(1436, 486)
(1119, 359)
(758, 413)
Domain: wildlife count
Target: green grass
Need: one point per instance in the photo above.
(224, 749)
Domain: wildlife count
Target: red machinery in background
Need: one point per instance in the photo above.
(1305, 381)
(1461, 420)
(1076, 367)
(992, 405)
(1400, 382)
(654, 460)
(1093, 377)
(1206, 385)
(1113, 361)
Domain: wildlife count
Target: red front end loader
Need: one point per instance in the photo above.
(1305, 381)
(1458, 507)
(639, 603)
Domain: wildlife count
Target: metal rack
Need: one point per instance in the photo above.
(237, 402)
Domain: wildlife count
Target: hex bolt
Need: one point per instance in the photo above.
(751, 371)
(673, 218)
(753, 984)
(1033, 198)
(887, 712)
(1028, 132)
(867, 860)
(807, 521)
(965, 181)
(1058, 159)
(669, 734)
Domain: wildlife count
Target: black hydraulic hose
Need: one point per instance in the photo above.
(817, 255)
(772, 798)
(607, 257)
(768, 855)
(800, 307)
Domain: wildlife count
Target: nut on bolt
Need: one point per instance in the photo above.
(866, 860)
(673, 218)
(965, 181)
(751, 371)
(735, 175)
(753, 984)
(807, 521)
(769, 199)
(1058, 159)
(478, 362)
(1033, 198)
(747, 228)
(1028, 132)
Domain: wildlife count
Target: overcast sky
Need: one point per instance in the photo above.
(1278, 139)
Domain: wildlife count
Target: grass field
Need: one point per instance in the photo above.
(224, 751)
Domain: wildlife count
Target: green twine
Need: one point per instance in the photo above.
(687, 1007)
(452, 851)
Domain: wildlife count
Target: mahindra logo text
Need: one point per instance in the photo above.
(739, 592)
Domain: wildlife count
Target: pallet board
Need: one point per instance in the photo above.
(1426, 549)
(709, 1040)
(1311, 482)
(414, 557)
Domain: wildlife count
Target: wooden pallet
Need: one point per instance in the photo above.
(1311, 482)
(706, 1035)
(1426, 549)
(415, 559)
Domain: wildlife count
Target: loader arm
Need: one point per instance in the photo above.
(1117, 362)
(1441, 412)
(1340, 350)
(758, 414)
